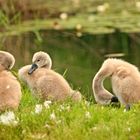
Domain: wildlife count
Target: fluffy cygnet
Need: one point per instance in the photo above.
(10, 90)
(46, 83)
(125, 79)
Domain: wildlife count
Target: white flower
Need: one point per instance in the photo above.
(124, 110)
(62, 108)
(87, 103)
(87, 115)
(129, 129)
(38, 108)
(52, 116)
(47, 104)
(47, 125)
(102, 107)
(8, 118)
(138, 4)
(103, 8)
(63, 16)
(78, 26)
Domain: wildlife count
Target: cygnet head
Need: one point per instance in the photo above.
(40, 60)
(7, 60)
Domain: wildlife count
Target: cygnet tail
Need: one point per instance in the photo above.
(76, 96)
(102, 96)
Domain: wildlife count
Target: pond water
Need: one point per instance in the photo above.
(78, 58)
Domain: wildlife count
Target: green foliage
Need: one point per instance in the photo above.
(77, 121)
(4, 19)
(94, 17)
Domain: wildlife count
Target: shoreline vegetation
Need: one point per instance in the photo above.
(102, 17)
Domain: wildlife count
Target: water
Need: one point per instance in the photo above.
(78, 57)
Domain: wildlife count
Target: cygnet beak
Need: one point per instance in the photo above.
(32, 69)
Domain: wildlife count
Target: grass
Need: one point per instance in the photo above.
(73, 121)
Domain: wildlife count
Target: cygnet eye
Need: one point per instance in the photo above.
(38, 60)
